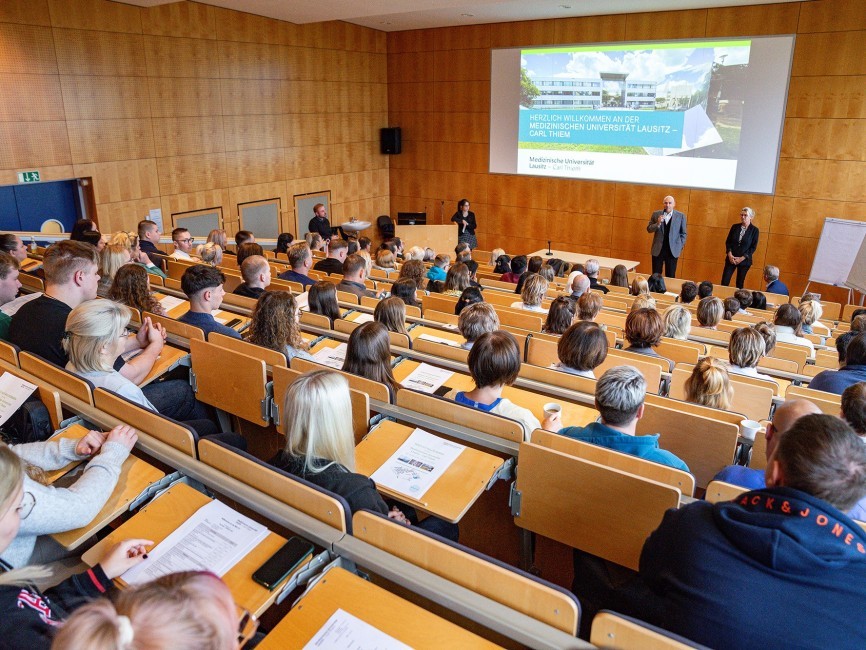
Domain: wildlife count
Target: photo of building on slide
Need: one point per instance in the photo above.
(674, 99)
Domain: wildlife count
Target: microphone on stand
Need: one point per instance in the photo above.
(549, 253)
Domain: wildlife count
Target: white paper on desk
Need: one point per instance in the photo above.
(426, 378)
(214, 539)
(417, 464)
(362, 317)
(332, 357)
(343, 631)
(11, 308)
(13, 392)
(439, 339)
(302, 300)
(170, 302)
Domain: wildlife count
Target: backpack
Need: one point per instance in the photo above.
(30, 423)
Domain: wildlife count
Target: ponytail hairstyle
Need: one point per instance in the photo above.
(710, 385)
(210, 253)
(732, 306)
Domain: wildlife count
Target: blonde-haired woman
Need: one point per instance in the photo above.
(130, 241)
(639, 285)
(29, 617)
(710, 385)
(385, 261)
(495, 255)
(192, 610)
(678, 322)
(533, 293)
(111, 259)
(709, 312)
(457, 280)
(811, 311)
(218, 237)
(210, 253)
(391, 312)
(320, 447)
(274, 325)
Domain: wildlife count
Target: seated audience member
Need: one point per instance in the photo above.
(60, 509)
(472, 265)
(503, 264)
(854, 413)
(547, 272)
(364, 244)
(642, 301)
(557, 265)
(858, 325)
(70, 279)
(131, 288)
(518, 268)
(768, 333)
(476, 319)
(30, 617)
(581, 349)
(619, 398)
(639, 285)
(810, 311)
(111, 259)
(656, 283)
(744, 297)
(405, 289)
(842, 343)
(333, 263)
(314, 241)
(148, 237)
(534, 291)
(759, 300)
(368, 355)
(190, 610)
(588, 306)
(710, 385)
(784, 418)
(353, 247)
(391, 312)
(732, 308)
(385, 261)
(320, 448)
(746, 349)
(495, 254)
(14, 246)
(709, 312)
(301, 261)
(462, 252)
(9, 286)
(678, 322)
(415, 271)
(416, 253)
(247, 249)
(788, 323)
(579, 286)
(274, 325)
(592, 268)
(494, 362)
(354, 277)
(456, 280)
(243, 237)
(470, 296)
(80, 227)
(183, 242)
(439, 270)
(559, 316)
(854, 370)
(774, 285)
(203, 286)
(532, 268)
(322, 300)
(284, 240)
(705, 289)
(801, 558)
(619, 276)
(688, 293)
(396, 247)
(94, 238)
(256, 272)
(210, 253)
(643, 331)
(132, 244)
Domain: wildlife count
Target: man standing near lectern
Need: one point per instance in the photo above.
(669, 228)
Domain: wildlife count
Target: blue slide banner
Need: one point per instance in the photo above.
(612, 128)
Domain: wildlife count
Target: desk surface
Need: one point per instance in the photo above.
(580, 258)
(169, 356)
(396, 617)
(161, 517)
(450, 496)
(135, 475)
(450, 335)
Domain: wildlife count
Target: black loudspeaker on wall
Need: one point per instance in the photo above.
(391, 140)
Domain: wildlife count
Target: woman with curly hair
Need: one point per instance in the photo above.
(414, 270)
(274, 325)
(131, 288)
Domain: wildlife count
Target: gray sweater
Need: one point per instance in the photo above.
(60, 509)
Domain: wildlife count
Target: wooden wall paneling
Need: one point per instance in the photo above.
(184, 97)
(252, 96)
(590, 29)
(671, 24)
(588, 197)
(238, 26)
(252, 60)
(95, 15)
(831, 16)
(630, 236)
(841, 96)
(115, 182)
(805, 217)
(193, 201)
(700, 270)
(106, 140)
(755, 20)
(302, 63)
(524, 191)
(180, 136)
(517, 221)
(703, 243)
(25, 12)
(27, 48)
(527, 32)
(125, 215)
(104, 98)
(47, 173)
(639, 201)
(793, 254)
(254, 167)
(824, 139)
(410, 67)
(456, 96)
(99, 53)
(244, 132)
(828, 54)
(310, 35)
(38, 144)
(259, 192)
(183, 19)
(722, 209)
(301, 129)
(416, 127)
(181, 57)
(37, 98)
(411, 40)
(467, 37)
(461, 65)
(831, 179)
(588, 233)
(412, 97)
(188, 174)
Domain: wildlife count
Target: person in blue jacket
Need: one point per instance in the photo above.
(774, 284)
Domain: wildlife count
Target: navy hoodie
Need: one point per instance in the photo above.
(775, 568)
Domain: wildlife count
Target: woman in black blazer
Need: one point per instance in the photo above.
(741, 244)
(465, 221)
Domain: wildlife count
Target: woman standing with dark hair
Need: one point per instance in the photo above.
(465, 220)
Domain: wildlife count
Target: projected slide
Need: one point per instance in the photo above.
(671, 113)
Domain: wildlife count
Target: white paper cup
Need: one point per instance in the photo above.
(552, 408)
(749, 428)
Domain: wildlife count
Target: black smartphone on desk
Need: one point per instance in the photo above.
(282, 563)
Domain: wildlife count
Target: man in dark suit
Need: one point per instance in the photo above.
(740, 246)
(669, 236)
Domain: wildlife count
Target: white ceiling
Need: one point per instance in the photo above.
(398, 15)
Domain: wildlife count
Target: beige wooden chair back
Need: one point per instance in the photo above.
(9, 353)
(315, 320)
(721, 337)
(553, 377)
(759, 451)
(172, 326)
(231, 381)
(270, 357)
(827, 359)
(751, 399)
(234, 300)
(541, 352)
(677, 353)
(652, 372)
(718, 491)
(774, 363)
(797, 353)
(441, 350)
(612, 631)
(374, 389)
(444, 318)
(438, 302)
(829, 403)
(64, 380)
(31, 282)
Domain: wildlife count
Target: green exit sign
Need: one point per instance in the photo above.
(29, 177)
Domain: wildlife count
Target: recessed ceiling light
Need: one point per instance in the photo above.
(565, 6)
(468, 15)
